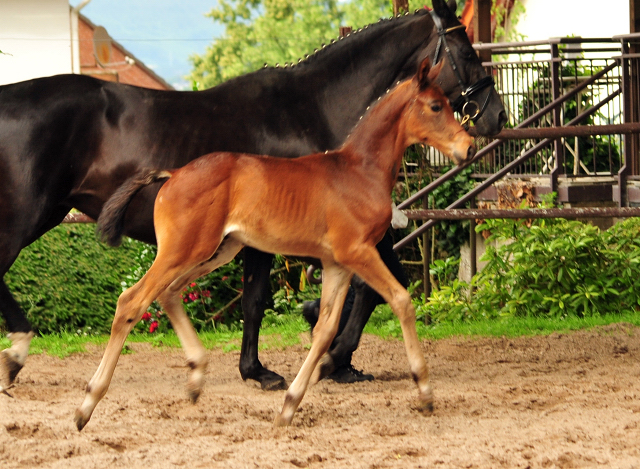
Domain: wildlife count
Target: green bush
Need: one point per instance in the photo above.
(68, 281)
(554, 268)
(214, 300)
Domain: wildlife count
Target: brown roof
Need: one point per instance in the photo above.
(118, 70)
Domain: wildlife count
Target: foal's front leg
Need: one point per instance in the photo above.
(334, 289)
(367, 264)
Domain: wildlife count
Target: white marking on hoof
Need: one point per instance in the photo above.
(12, 359)
(19, 349)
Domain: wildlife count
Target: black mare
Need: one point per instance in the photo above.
(69, 141)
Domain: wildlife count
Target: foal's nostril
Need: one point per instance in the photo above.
(471, 152)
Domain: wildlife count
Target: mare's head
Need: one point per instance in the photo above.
(429, 119)
(463, 78)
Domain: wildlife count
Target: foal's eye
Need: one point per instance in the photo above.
(436, 107)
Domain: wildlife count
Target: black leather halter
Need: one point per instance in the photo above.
(467, 107)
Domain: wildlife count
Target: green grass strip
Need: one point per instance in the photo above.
(283, 331)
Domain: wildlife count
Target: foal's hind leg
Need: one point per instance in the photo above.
(171, 303)
(365, 301)
(170, 264)
(334, 290)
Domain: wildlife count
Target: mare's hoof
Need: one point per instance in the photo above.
(269, 381)
(9, 369)
(275, 383)
(348, 374)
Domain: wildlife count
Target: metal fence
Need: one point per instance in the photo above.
(531, 75)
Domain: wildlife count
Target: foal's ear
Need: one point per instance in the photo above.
(435, 70)
(423, 73)
(428, 74)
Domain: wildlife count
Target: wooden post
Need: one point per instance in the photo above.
(344, 30)
(482, 26)
(426, 262)
(400, 6)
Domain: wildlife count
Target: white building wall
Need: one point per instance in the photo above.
(35, 36)
(559, 18)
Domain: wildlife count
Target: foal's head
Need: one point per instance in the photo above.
(430, 120)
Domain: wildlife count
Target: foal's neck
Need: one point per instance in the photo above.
(379, 140)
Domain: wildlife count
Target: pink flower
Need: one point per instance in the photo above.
(146, 316)
(153, 326)
(193, 296)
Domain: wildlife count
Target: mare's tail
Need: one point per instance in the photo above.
(111, 219)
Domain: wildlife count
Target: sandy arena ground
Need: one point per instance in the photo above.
(562, 401)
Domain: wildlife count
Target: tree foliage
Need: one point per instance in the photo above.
(259, 32)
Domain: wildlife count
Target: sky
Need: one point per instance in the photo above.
(160, 33)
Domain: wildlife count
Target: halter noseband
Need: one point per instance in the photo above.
(469, 108)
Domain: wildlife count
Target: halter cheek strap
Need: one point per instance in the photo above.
(469, 108)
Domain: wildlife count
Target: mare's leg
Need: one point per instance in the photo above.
(12, 359)
(334, 290)
(257, 266)
(171, 303)
(365, 301)
(20, 333)
(365, 262)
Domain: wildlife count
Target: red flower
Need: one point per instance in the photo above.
(158, 314)
(153, 326)
(206, 294)
(185, 299)
(225, 278)
(146, 316)
(193, 296)
(194, 284)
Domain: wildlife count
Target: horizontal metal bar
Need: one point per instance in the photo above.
(496, 143)
(483, 214)
(547, 42)
(566, 131)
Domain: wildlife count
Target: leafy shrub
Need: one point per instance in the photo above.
(214, 300)
(553, 268)
(68, 281)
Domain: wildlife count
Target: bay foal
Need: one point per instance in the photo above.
(333, 206)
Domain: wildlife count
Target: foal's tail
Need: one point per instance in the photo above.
(111, 219)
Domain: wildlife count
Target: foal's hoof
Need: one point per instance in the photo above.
(193, 394)
(426, 408)
(194, 386)
(81, 419)
(278, 383)
(425, 403)
(280, 421)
